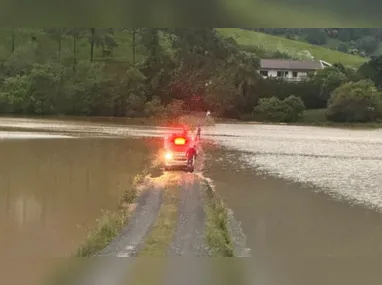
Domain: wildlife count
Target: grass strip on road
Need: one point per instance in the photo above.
(161, 235)
(217, 234)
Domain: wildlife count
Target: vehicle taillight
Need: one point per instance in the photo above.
(180, 141)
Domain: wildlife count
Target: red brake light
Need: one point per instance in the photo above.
(180, 141)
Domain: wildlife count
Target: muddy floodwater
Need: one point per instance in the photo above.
(309, 199)
(54, 186)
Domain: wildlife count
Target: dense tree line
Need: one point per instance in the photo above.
(170, 72)
(348, 95)
(361, 41)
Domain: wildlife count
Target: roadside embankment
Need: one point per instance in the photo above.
(217, 232)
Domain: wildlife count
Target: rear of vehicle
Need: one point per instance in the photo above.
(179, 153)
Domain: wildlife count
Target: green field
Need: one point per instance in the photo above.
(281, 13)
(294, 48)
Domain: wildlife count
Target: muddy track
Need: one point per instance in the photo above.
(107, 268)
(189, 236)
(132, 236)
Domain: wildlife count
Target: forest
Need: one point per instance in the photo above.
(153, 72)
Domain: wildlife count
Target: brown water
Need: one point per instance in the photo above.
(323, 234)
(296, 235)
(52, 188)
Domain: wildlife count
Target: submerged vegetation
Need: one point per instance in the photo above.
(217, 233)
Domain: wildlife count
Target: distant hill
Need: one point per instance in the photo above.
(123, 51)
(358, 41)
(293, 48)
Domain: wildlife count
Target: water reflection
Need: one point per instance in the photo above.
(297, 235)
(51, 189)
(27, 210)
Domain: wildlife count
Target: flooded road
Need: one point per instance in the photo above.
(309, 199)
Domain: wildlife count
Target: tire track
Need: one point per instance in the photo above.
(189, 238)
(133, 234)
(107, 267)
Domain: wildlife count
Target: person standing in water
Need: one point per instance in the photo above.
(198, 130)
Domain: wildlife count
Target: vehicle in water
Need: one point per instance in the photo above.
(180, 152)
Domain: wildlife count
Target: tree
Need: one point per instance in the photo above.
(57, 34)
(92, 42)
(355, 102)
(367, 43)
(129, 95)
(316, 36)
(327, 80)
(106, 40)
(134, 32)
(293, 108)
(243, 67)
(343, 47)
(221, 97)
(373, 71)
(13, 40)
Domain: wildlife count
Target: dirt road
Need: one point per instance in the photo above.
(187, 237)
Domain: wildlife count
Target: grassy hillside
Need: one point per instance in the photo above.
(123, 52)
(294, 48)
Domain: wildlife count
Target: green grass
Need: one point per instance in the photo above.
(293, 48)
(270, 14)
(160, 237)
(332, 43)
(217, 234)
(316, 117)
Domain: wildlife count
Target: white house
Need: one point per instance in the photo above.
(291, 70)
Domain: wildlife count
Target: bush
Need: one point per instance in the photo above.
(276, 110)
(355, 102)
(175, 108)
(154, 107)
(314, 116)
(293, 108)
(269, 109)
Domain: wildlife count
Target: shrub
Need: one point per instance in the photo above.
(269, 109)
(154, 107)
(355, 102)
(293, 108)
(274, 110)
